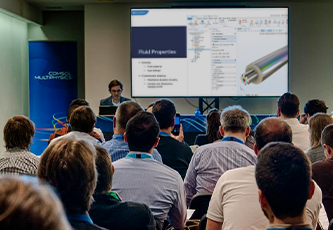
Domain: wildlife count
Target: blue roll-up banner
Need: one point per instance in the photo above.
(52, 87)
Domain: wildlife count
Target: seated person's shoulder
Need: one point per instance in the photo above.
(105, 101)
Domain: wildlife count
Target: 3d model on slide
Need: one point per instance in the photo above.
(259, 70)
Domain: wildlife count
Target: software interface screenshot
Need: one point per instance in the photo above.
(209, 52)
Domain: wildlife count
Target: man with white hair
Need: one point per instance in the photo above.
(212, 160)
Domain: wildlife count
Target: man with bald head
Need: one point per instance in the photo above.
(234, 203)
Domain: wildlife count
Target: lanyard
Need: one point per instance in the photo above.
(118, 137)
(79, 217)
(233, 139)
(139, 155)
(165, 134)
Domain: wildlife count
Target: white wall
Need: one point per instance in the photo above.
(14, 75)
(107, 55)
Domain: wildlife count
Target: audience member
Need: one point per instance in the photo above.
(210, 161)
(117, 147)
(323, 171)
(150, 107)
(317, 123)
(69, 165)
(212, 132)
(283, 176)
(17, 158)
(175, 154)
(97, 133)
(82, 123)
(28, 205)
(107, 209)
(288, 110)
(312, 107)
(234, 203)
(140, 178)
(115, 89)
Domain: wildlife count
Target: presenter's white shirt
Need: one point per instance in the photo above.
(235, 202)
(301, 137)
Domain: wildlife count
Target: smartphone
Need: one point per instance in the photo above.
(177, 125)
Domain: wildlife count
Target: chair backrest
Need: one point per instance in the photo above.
(330, 226)
(200, 203)
(203, 222)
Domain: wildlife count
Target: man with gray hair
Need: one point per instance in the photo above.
(210, 161)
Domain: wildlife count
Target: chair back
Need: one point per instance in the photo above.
(200, 203)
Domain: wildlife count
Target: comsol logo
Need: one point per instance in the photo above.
(53, 75)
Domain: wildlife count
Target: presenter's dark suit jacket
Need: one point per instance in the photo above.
(108, 101)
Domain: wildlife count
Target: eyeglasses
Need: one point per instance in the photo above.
(116, 91)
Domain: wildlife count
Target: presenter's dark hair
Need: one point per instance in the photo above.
(213, 124)
(104, 170)
(327, 136)
(126, 111)
(315, 106)
(164, 111)
(83, 119)
(272, 129)
(26, 205)
(18, 132)
(283, 174)
(288, 104)
(69, 166)
(142, 131)
(115, 83)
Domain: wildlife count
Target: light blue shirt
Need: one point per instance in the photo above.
(118, 148)
(144, 180)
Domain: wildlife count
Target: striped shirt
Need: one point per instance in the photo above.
(210, 161)
(18, 161)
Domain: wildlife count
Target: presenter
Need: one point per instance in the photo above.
(115, 89)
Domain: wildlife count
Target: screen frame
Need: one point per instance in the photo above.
(208, 7)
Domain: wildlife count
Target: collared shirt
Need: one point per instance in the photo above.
(300, 132)
(18, 161)
(147, 181)
(118, 148)
(210, 161)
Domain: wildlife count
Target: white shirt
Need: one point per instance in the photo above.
(235, 202)
(301, 136)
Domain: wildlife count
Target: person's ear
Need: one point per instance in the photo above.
(312, 189)
(156, 142)
(262, 200)
(114, 122)
(221, 130)
(247, 131)
(297, 113)
(173, 122)
(112, 169)
(125, 137)
(255, 149)
(278, 112)
(327, 151)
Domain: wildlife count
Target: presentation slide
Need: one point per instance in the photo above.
(209, 52)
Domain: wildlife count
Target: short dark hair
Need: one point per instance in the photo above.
(327, 136)
(272, 129)
(75, 104)
(104, 170)
(283, 174)
(126, 111)
(288, 104)
(83, 119)
(235, 119)
(69, 166)
(28, 205)
(213, 125)
(315, 106)
(18, 132)
(115, 83)
(142, 131)
(164, 111)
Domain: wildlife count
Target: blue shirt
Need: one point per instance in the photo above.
(118, 148)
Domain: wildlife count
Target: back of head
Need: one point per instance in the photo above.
(126, 111)
(317, 123)
(141, 132)
(288, 103)
(83, 119)
(29, 206)
(164, 111)
(283, 174)
(272, 129)
(315, 106)
(115, 83)
(18, 132)
(327, 136)
(213, 124)
(75, 104)
(235, 119)
(69, 166)
(104, 170)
